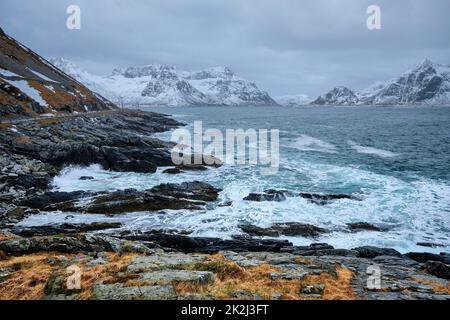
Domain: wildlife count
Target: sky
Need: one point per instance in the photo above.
(285, 46)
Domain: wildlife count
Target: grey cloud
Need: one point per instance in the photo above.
(286, 46)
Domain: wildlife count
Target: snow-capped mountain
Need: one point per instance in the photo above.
(294, 100)
(427, 83)
(340, 96)
(165, 85)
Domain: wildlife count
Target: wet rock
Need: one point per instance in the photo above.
(372, 252)
(437, 269)
(15, 214)
(119, 292)
(172, 171)
(65, 244)
(287, 229)
(187, 195)
(324, 199)
(269, 195)
(85, 178)
(423, 257)
(208, 245)
(32, 181)
(363, 226)
(65, 228)
(63, 201)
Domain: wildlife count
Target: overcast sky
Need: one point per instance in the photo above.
(285, 46)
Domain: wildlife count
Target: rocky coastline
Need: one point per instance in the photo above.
(169, 264)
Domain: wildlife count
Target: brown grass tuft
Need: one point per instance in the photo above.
(257, 281)
(5, 125)
(437, 286)
(29, 278)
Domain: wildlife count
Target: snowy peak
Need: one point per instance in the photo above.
(157, 84)
(427, 83)
(341, 96)
(155, 71)
(212, 73)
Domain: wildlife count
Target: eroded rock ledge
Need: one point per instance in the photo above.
(168, 267)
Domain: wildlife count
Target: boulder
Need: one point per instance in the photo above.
(287, 229)
(372, 252)
(438, 269)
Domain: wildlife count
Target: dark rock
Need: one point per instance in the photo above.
(324, 199)
(372, 252)
(322, 249)
(84, 178)
(31, 181)
(286, 229)
(437, 269)
(268, 195)
(258, 231)
(361, 226)
(188, 190)
(187, 195)
(16, 214)
(172, 171)
(80, 243)
(65, 228)
(423, 257)
(208, 245)
(64, 201)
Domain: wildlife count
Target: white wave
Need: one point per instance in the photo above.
(308, 143)
(372, 151)
(415, 211)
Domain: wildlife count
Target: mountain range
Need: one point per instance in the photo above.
(165, 85)
(30, 85)
(428, 83)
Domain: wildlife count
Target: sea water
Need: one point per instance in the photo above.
(396, 159)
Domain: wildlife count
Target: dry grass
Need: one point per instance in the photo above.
(257, 281)
(438, 287)
(5, 125)
(31, 273)
(107, 273)
(6, 237)
(29, 278)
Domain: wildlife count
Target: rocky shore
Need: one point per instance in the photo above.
(35, 262)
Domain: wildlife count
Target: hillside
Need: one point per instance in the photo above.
(30, 86)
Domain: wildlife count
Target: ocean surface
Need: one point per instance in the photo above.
(396, 159)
